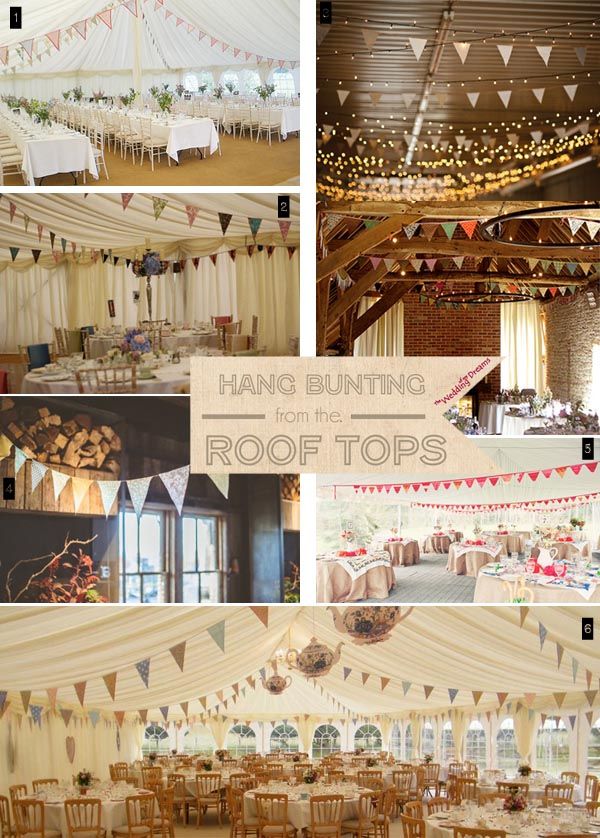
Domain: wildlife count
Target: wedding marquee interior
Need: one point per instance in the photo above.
(455, 100)
(481, 684)
(224, 259)
(515, 280)
(465, 537)
(81, 59)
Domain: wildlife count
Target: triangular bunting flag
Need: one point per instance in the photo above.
(570, 90)
(106, 17)
(80, 489)
(217, 632)
(473, 97)
(225, 220)
(342, 95)
(254, 225)
(284, 227)
(109, 490)
(370, 37)
(80, 690)
(538, 92)
(110, 682)
(262, 613)
(138, 491)
(452, 693)
(544, 53)
(504, 96)
(347, 672)
(38, 470)
(505, 51)
(54, 38)
(126, 199)
(66, 715)
(81, 28)
(462, 48)
(176, 482)
(178, 652)
(417, 45)
(469, 227)
(25, 698)
(158, 205)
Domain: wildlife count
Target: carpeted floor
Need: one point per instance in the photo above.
(430, 582)
(243, 162)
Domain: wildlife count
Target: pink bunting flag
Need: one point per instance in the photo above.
(131, 6)
(214, 41)
(224, 47)
(106, 17)
(178, 21)
(81, 28)
(248, 55)
(54, 38)
(126, 199)
(28, 46)
(4, 54)
(192, 213)
(284, 227)
(236, 52)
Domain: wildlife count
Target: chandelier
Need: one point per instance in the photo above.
(368, 624)
(494, 229)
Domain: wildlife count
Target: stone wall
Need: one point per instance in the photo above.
(572, 331)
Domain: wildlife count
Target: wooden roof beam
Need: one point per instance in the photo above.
(355, 292)
(353, 248)
(389, 298)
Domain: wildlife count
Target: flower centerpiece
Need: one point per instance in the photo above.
(202, 88)
(97, 95)
(220, 754)
(230, 86)
(358, 751)
(164, 100)
(371, 762)
(152, 756)
(128, 99)
(515, 801)
(218, 91)
(179, 89)
(77, 93)
(154, 91)
(265, 91)
(148, 266)
(577, 523)
(296, 758)
(135, 342)
(84, 781)
(66, 94)
(310, 776)
(427, 758)
(468, 425)
(524, 769)
(207, 765)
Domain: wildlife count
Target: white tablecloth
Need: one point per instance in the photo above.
(491, 589)
(187, 133)
(491, 417)
(169, 379)
(517, 425)
(113, 814)
(100, 344)
(290, 120)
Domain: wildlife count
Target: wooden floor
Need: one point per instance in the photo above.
(243, 162)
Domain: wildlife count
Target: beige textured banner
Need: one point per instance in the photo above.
(269, 415)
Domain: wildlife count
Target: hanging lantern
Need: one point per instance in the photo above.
(368, 624)
(316, 659)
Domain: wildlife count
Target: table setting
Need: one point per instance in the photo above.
(466, 558)
(299, 795)
(515, 816)
(440, 541)
(111, 794)
(354, 573)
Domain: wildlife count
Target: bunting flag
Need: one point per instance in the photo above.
(384, 682)
(25, 698)
(143, 668)
(544, 53)
(469, 227)
(178, 653)
(284, 227)
(120, 716)
(452, 693)
(221, 481)
(417, 45)
(125, 199)
(225, 220)
(542, 632)
(164, 711)
(217, 632)
(110, 682)
(106, 17)
(94, 717)
(36, 713)
(158, 205)
(473, 98)
(66, 715)
(342, 96)
(109, 489)
(505, 51)
(262, 613)
(80, 489)
(192, 213)
(81, 28)
(538, 92)
(143, 714)
(254, 224)
(59, 481)
(138, 491)
(505, 96)
(52, 693)
(176, 482)
(38, 470)
(346, 672)
(462, 48)
(80, 691)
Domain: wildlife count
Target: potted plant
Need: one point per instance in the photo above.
(265, 91)
(78, 93)
(154, 91)
(66, 94)
(83, 781)
(427, 758)
(202, 88)
(164, 101)
(371, 762)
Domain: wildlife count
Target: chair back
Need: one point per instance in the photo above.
(118, 379)
(118, 771)
(60, 340)
(272, 810)
(220, 319)
(366, 777)
(140, 811)
(166, 802)
(83, 815)
(558, 793)
(507, 786)
(466, 788)
(412, 827)
(326, 810)
(414, 809)
(403, 781)
(570, 777)
(5, 824)
(38, 785)
(208, 783)
(432, 772)
(38, 355)
(236, 343)
(591, 787)
(478, 832)
(437, 804)
(29, 817)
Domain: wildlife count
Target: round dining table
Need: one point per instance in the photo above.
(468, 562)
(113, 812)
(335, 584)
(405, 552)
(528, 824)
(567, 549)
(440, 542)
(299, 800)
(512, 542)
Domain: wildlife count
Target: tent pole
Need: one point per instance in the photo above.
(137, 52)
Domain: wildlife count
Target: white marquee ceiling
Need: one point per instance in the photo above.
(247, 25)
(99, 221)
(469, 649)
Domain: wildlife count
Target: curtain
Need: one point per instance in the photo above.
(270, 287)
(28, 752)
(458, 720)
(522, 346)
(386, 336)
(72, 295)
(32, 304)
(385, 725)
(526, 724)
(416, 723)
(305, 732)
(219, 726)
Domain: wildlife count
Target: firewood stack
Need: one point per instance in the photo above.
(52, 440)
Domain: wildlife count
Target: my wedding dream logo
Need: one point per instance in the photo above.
(268, 415)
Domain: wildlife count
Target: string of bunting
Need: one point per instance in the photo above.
(492, 480)
(552, 504)
(70, 248)
(46, 44)
(217, 632)
(174, 481)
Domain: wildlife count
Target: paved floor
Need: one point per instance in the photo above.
(430, 582)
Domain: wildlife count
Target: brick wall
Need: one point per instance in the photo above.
(435, 331)
(572, 330)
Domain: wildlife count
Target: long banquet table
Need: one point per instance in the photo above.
(49, 150)
(336, 584)
(492, 587)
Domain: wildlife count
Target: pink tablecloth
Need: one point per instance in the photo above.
(334, 583)
(403, 552)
